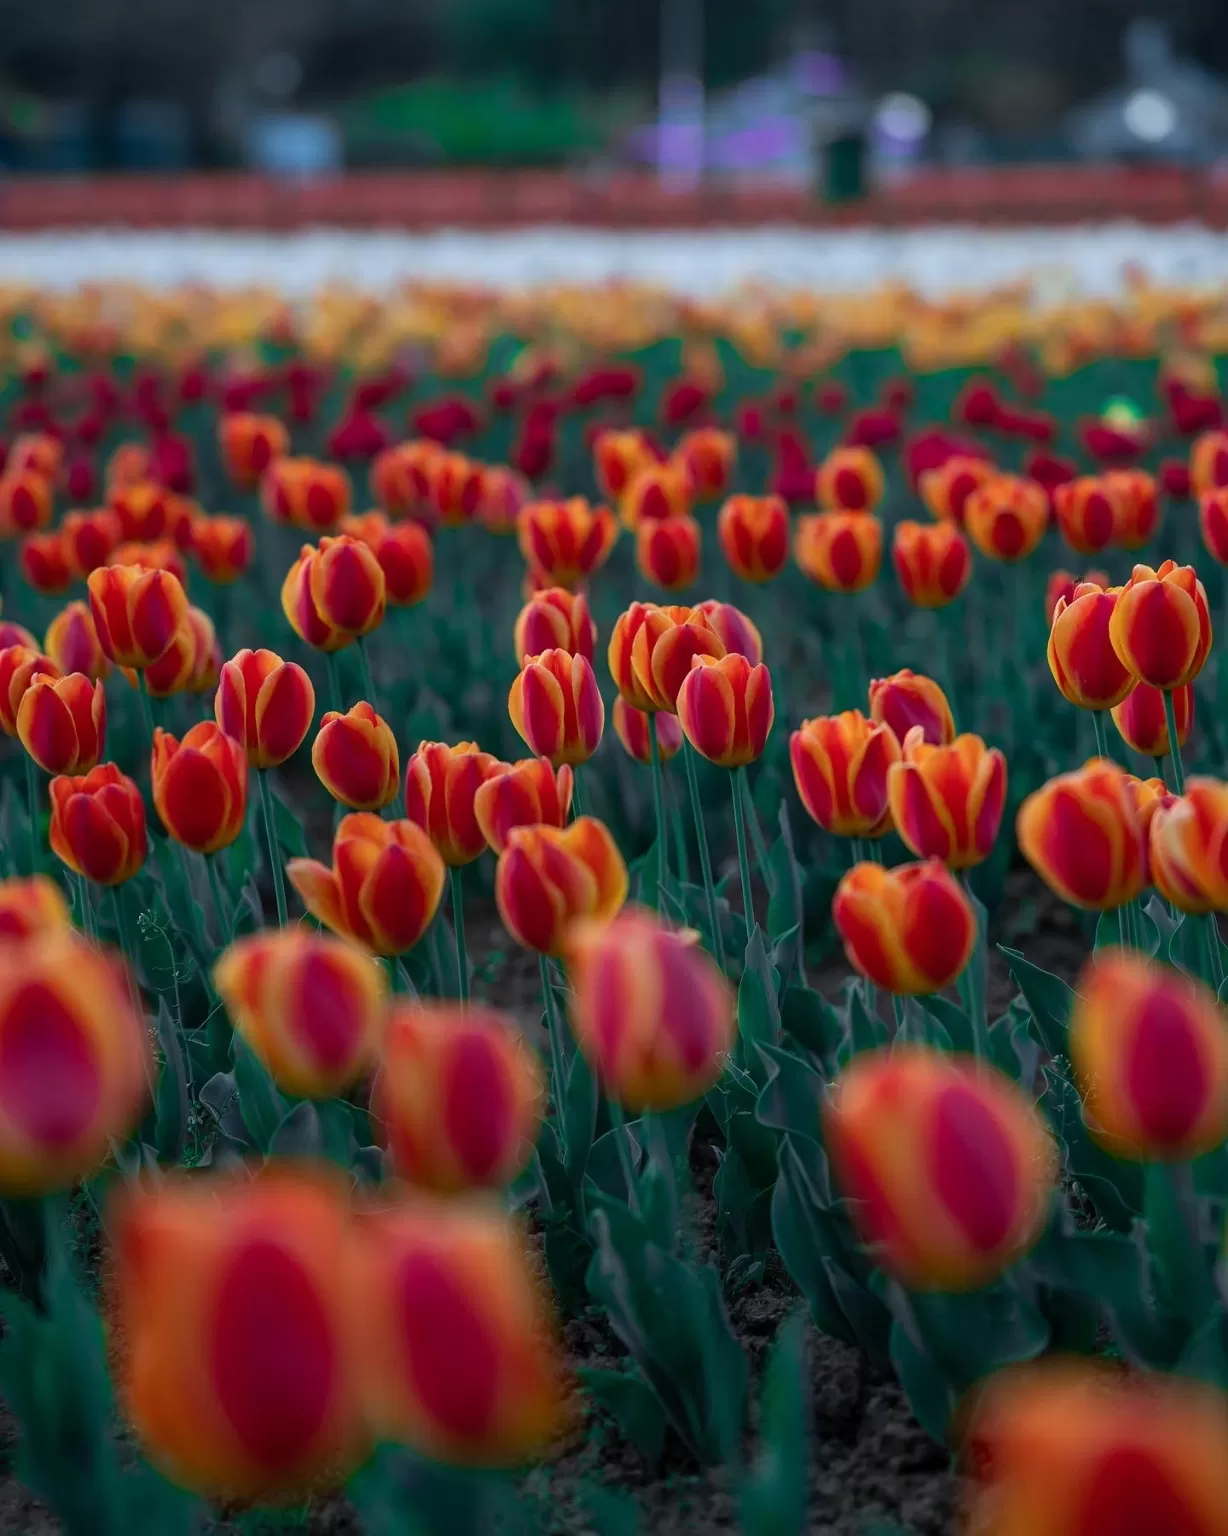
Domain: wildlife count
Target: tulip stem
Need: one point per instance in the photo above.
(577, 796)
(146, 706)
(1161, 774)
(125, 944)
(34, 808)
(215, 888)
(658, 802)
(334, 683)
(705, 863)
(270, 834)
(458, 925)
(1211, 930)
(679, 831)
(622, 1141)
(1174, 746)
(758, 841)
(364, 664)
(1102, 745)
(88, 926)
(739, 824)
(557, 1072)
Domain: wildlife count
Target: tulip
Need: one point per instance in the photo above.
(1141, 722)
(725, 709)
(555, 619)
(305, 493)
(400, 479)
(1187, 847)
(38, 453)
(62, 722)
(458, 1356)
(754, 536)
(239, 1370)
(98, 825)
(707, 456)
(1007, 516)
(1076, 1448)
(190, 664)
(347, 586)
(849, 480)
(734, 629)
(548, 877)
(1089, 513)
(249, 444)
(842, 551)
(143, 510)
(356, 759)
(89, 538)
(840, 765)
(30, 906)
(946, 1164)
(44, 563)
(1082, 835)
(528, 793)
(160, 555)
(947, 801)
(223, 547)
(1137, 503)
(910, 930)
(72, 643)
(656, 492)
(26, 502)
(504, 492)
(946, 489)
(456, 488)
(299, 606)
(907, 699)
(651, 1011)
(74, 1062)
(932, 562)
(617, 458)
(266, 705)
(1209, 463)
(200, 786)
(310, 1007)
(1150, 1052)
(19, 666)
(383, 889)
(457, 1097)
(1161, 626)
(651, 650)
(1085, 666)
(1062, 584)
(404, 552)
(136, 612)
(556, 707)
(441, 786)
(1213, 522)
(564, 542)
(634, 729)
(667, 552)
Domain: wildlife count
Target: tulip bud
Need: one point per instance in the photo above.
(667, 552)
(136, 612)
(947, 801)
(734, 629)
(1085, 666)
(223, 547)
(1062, 584)
(651, 650)
(707, 455)
(651, 1012)
(548, 877)
(657, 491)
(556, 707)
(305, 493)
(200, 786)
(840, 764)
(72, 643)
(632, 727)
(1161, 626)
(458, 1097)
(909, 930)
(356, 759)
(143, 509)
(311, 1008)
(62, 722)
(98, 825)
(404, 552)
(1149, 795)
(1209, 463)
(1213, 522)
(564, 542)
(441, 786)
(19, 666)
(754, 536)
(725, 709)
(190, 664)
(1007, 516)
(347, 585)
(299, 606)
(44, 563)
(383, 889)
(945, 490)
(1187, 847)
(529, 793)
(29, 906)
(1138, 506)
(1081, 833)
(849, 480)
(504, 492)
(1088, 513)
(1140, 720)
(947, 1167)
(932, 562)
(456, 488)
(555, 619)
(249, 444)
(266, 705)
(89, 539)
(841, 551)
(26, 501)
(617, 458)
(400, 479)
(908, 698)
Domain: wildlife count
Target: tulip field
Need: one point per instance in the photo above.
(609, 912)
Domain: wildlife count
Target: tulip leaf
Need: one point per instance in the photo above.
(1047, 996)
(1205, 1357)
(930, 1396)
(814, 1024)
(299, 1134)
(287, 826)
(171, 1096)
(579, 1116)
(1184, 1266)
(976, 977)
(953, 1020)
(803, 1239)
(785, 902)
(633, 1406)
(792, 1097)
(758, 1009)
(867, 1031)
(773, 1494)
(262, 1107)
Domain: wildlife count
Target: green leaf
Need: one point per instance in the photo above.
(1184, 1267)
(867, 1032)
(758, 1010)
(785, 903)
(774, 1488)
(792, 1096)
(1048, 998)
(814, 1023)
(579, 1116)
(1109, 930)
(171, 1096)
(298, 1135)
(929, 1395)
(954, 1021)
(633, 1406)
(611, 1514)
(263, 1109)
(1114, 1187)
(291, 838)
(1205, 1357)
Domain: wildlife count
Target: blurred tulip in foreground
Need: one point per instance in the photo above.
(31, 905)
(1188, 847)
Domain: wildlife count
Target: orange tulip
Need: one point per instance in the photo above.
(305, 493)
(98, 825)
(632, 727)
(457, 1097)
(401, 481)
(945, 490)
(849, 480)
(356, 759)
(31, 906)
(128, 464)
(26, 502)
(908, 698)
(651, 1011)
(754, 536)
(1085, 666)
(707, 455)
(249, 444)
(143, 509)
(404, 552)
(441, 786)
(200, 786)
(932, 562)
(840, 765)
(239, 1369)
(1209, 462)
(734, 629)
(548, 877)
(136, 612)
(300, 609)
(946, 1164)
(667, 552)
(1187, 847)
(909, 930)
(1082, 835)
(1161, 626)
(19, 666)
(456, 488)
(1140, 721)
(1089, 513)
(556, 707)
(223, 547)
(504, 492)
(74, 1062)
(310, 1007)
(563, 542)
(529, 793)
(1006, 517)
(190, 664)
(947, 801)
(160, 555)
(617, 458)
(1149, 796)
(44, 563)
(1062, 584)
(266, 705)
(651, 650)
(384, 886)
(655, 492)
(555, 619)
(62, 722)
(348, 589)
(726, 710)
(89, 539)
(842, 551)
(1213, 523)
(38, 453)
(1137, 503)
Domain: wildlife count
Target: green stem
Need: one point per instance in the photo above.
(1174, 746)
(705, 863)
(1102, 744)
(34, 807)
(757, 839)
(658, 804)
(1211, 932)
(364, 664)
(88, 926)
(458, 925)
(334, 682)
(622, 1141)
(739, 823)
(270, 834)
(219, 903)
(146, 706)
(1160, 771)
(679, 831)
(558, 1075)
(577, 796)
(125, 944)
